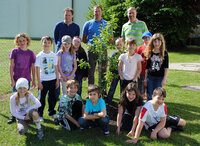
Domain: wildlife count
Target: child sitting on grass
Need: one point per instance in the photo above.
(70, 106)
(95, 111)
(154, 116)
(21, 108)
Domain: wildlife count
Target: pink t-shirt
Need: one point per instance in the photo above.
(22, 63)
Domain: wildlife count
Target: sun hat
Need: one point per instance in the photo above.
(21, 82)
(66, 39)
(146, 34)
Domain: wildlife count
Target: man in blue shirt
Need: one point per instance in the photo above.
(66, 27)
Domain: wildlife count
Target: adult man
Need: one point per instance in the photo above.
(66, 27)
(91, 28)
(134, 27)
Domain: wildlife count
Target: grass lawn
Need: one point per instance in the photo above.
(185, 103)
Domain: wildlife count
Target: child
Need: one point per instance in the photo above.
(129, 109)
(47, 75)
(95, 111)
(154, 116)
(129, 66)
(113, 68)
(22, 109)
(66, 61)
(21, 63)
(81, 73)
(70, 107)
(157, 64)
(146, 36)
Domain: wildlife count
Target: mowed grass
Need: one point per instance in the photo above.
(185, 103)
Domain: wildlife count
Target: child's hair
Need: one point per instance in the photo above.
(80, 50)
(22, 35)
(119, 40)
(72, 82)
(71, 49)
(150, 46)
(160, 92)
(129, 88)
(17, 97)
(131, 41)
(94, 88)
(48, 38)
(69, 10)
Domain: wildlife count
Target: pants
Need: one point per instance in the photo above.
(153, 83)
(63, 87)
(48, 86)
(101, 122)
(127, 122)
(141, 83)
(79, 78)
(124, 83)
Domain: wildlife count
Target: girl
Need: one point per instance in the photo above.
(81, 73)
(67, 64)
(22, 109)
(157, 64)
(129, 109)
(21, 62)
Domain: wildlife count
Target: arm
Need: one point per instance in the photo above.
(111, 40)
(138, 71)
(101, 114)
(145, 78)
(33, 74)
(165, 77)
(60, 70)
(120, 69)
(57, 76)
(84, 38)
(38, 78)
(72, 120)
(159, 127)
(56, 34)
(119, 119)
(123, 38)
(12, 64)
(36, 102)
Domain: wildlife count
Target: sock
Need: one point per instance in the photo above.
(37, 123)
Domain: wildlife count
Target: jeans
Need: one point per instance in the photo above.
(101, 122)
(112, 89)
(141, 83)
(153, 83)
(79, 78)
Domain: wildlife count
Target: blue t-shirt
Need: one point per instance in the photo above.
(89, 107)
(92, 27)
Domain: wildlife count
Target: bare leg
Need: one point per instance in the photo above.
(165, 133)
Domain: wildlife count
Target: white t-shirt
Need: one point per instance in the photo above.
(47, 63)
(129, 67)
(19, 111)
(150, 116)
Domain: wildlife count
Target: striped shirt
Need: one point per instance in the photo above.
(134, 30)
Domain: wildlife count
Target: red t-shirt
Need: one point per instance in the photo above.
(140, 50)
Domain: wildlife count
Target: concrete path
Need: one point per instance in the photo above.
(185, 66)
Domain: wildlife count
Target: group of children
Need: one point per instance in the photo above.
(53, 69)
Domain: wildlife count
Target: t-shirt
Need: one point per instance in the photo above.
(150, 116)
(66, 103)
(22, 63)
(66, 62)
(47, 63)
(19, 111)
(134, 30)
(89, 107)
(156, 65)
(129, 67)
(140, 50)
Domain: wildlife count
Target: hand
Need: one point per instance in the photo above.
(118, 131)
(27, 117)
(153, 135)
(163, 82)
(145, 82)
(131, 133)
(121, 78)
(40, 86)
(57, 84)
(12, 83)
(135, 79)
(84, 78)
(33, 84)
(133, 141)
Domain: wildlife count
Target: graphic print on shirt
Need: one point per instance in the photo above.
(156, 63)
(23, 107)
(48, 64)
(68, 65)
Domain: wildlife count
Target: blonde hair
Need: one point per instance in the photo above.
(72, 82)
(24, 36)
(150, 46)
(71, 49)
(119, 40)
(17, 97)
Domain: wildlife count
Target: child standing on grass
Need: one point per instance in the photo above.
(146, 36)
(113, 68)
(129, 109)
(67, 64)
(47, 76)
(22, 109)
(81, 73)
(129, 66)
(70, 107)
(157, 64)
(95, 111)
(21, 63)
(154, 116)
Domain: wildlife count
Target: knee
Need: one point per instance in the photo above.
(104, 120)
(182, 122)
(81, 121)
(35, 115)
(164, 135)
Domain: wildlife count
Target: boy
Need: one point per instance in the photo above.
(129, 66)
(95, 111)
(154, 116)
(146, 36)
(47, 76)
(113, 68)
(70, 107)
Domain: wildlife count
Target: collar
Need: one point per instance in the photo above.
(129, 23)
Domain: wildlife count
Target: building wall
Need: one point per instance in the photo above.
(37, 17)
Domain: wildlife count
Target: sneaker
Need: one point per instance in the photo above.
(40, 133)
(56, 121)
(81, 128)
(106, 133)
(11, 120)
(41, 119)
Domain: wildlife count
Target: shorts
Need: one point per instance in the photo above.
(170, 122)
